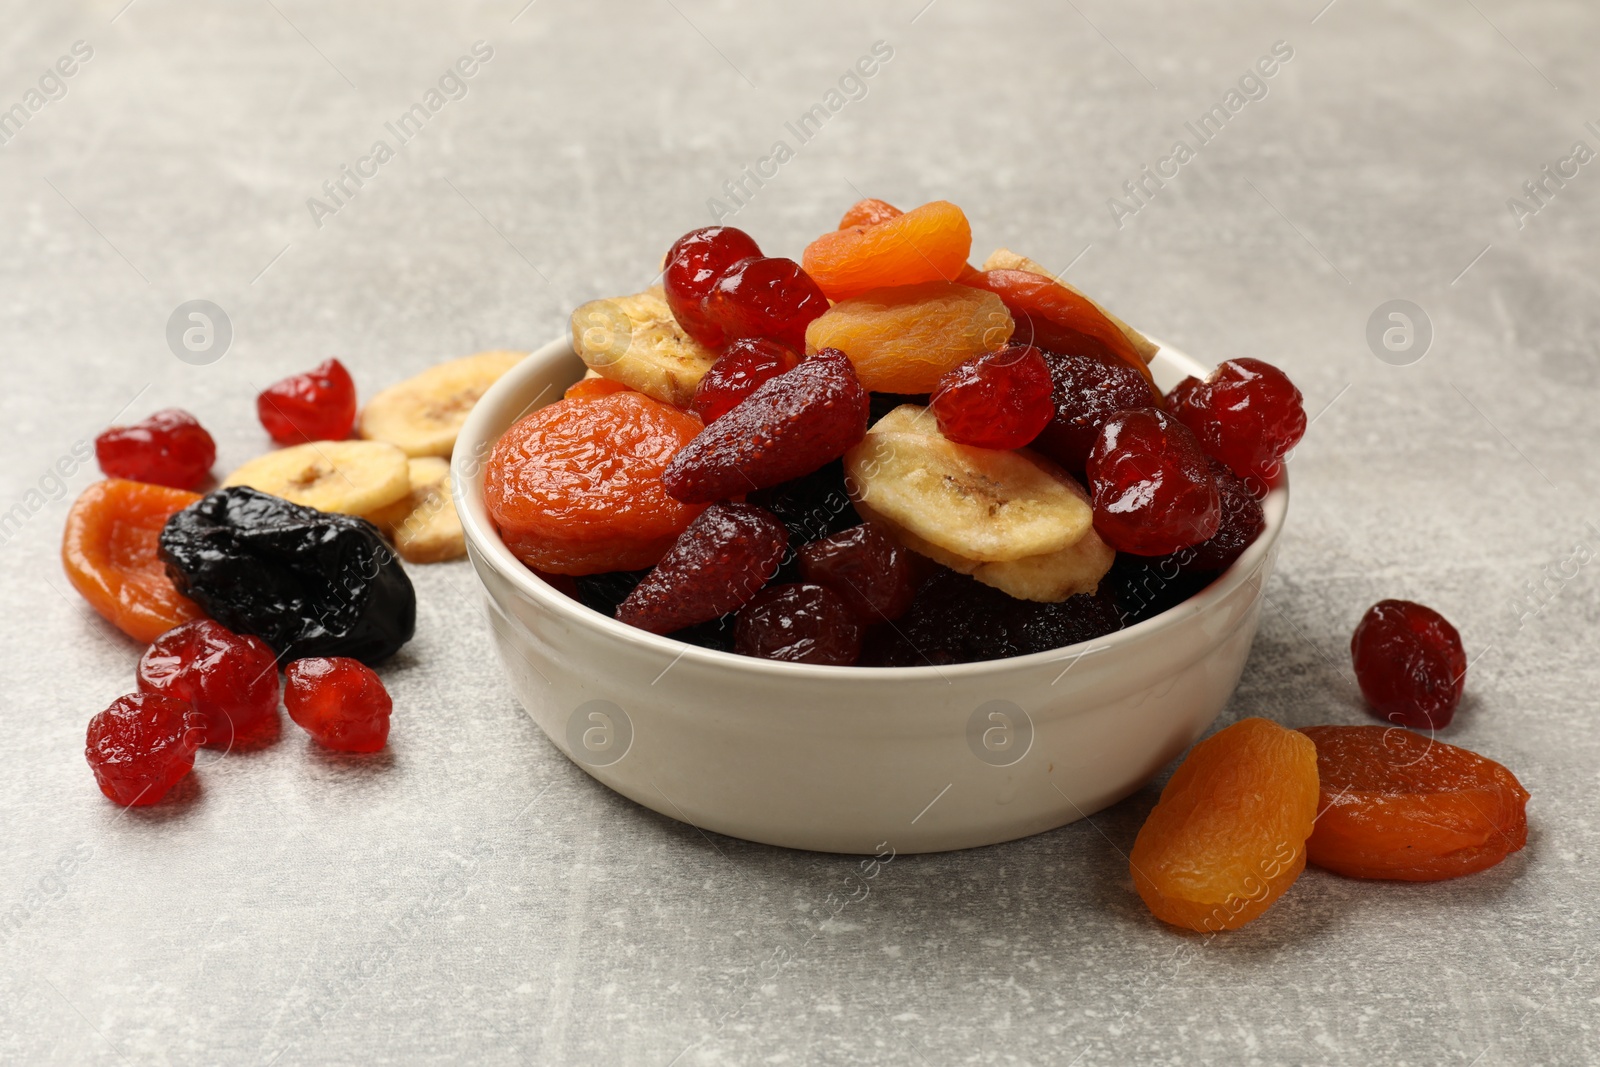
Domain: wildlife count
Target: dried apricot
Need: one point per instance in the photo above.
(1052, 317)
(902, 340)
(869, 212)
(926, 244)
(109, 551)
(1229, 834)
(1404, 806)
(575, 487)
(589, 388)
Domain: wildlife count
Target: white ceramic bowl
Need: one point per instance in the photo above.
(851, 759)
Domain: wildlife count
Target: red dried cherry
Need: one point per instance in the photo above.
(694, 262)
(764, 297)
(790, 426)
(1152, 485)
(319, 405)
(231, 680)
(339, 701)
(141, 746)
(1247, 413)
(800, 623)
(873, 574)
(1410, 664)
(1087, 389)
(745, 366)
(722, 560)
(169, 448)
(998, 399)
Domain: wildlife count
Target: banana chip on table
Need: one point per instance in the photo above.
(422, 415)
(636, 341)
(423, 524)
(350, 477)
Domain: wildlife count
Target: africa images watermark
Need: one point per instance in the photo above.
(1252, 86)
(851, 87)
(52, 87)
(1539, 191)
(453, 85)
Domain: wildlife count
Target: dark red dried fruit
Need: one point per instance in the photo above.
(1242, 522)
(745, 366)
(764, 297)
(873, 574)
(722, 560)
(319, 405)
(1410, 663)
(1247, 413)
(231, 680)
(1000, 399)
(141, 746)
(1088, 388)
(799, 623)
(339, 701)
(790, 426)
(169, 448)
(1152, 485)
(694, 262)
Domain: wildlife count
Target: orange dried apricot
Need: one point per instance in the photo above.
(1401, 805)
(109, 552)
(1229, 834)
(926, 244)
(575, 487)
(588, 388)
(1055, 318)
(869, 212)
(902, 340)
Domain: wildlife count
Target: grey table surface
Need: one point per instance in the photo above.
(471, 896)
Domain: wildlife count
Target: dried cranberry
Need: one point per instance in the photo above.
(339, 701)
(319, 405)
(745, 366)
(169, 448)
(1152, 485)
(873, 574)
(1183, 396)
(764, 297)
(790, 426)
(694, 262)
(716, 565)
(141, 746)
(800, 623)
(1088, 388)
(997, 400)
(1247, 413)
(230, 679)
(1410, 664)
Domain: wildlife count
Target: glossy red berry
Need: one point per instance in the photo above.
(745, 366)
(339, 701)
(231, 681)
(1086, 389)
(873, 574)
(169, 448)
(722, 560)
(1247, 413)
(319, 405)
(1410, 664)
(799, 623)
(791, 426)
(764, 297)
(999, 399)
(694, 262)
(1151, 484)
(141, 746)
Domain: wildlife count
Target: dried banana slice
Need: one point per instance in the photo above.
(423, 524)
(351, 477)
(636, 341)
(422, 415)
(1005, 259)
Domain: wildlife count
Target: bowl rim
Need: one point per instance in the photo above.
(474, 441)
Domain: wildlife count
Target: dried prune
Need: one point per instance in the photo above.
(603, 592)
(871, 571)
(306, 582)
(1142, 587)
(799, 623)
(1087, 389)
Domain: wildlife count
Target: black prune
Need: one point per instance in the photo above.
(306, 582)
(812, 506)
(603, 592)
(1145, 586)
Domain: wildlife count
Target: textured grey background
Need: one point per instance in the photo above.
(470, 896)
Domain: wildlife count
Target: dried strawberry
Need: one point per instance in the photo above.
(790, 426)
(722, 560)
(745, 366)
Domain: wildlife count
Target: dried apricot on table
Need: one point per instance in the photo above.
(575, 487)
(1229, 834)
(903, 339)
(1403, 806)
(109, 551)
(926, 244)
